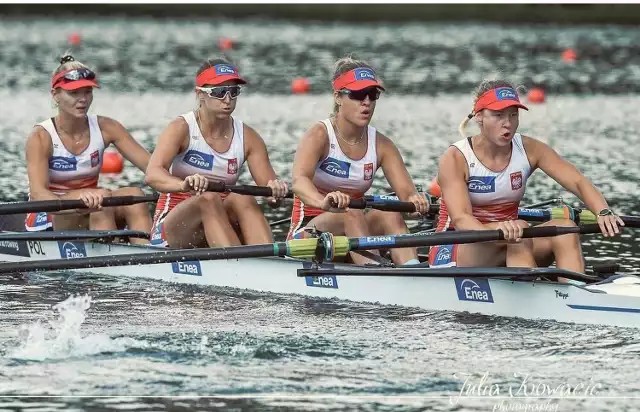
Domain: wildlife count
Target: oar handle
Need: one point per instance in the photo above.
(59, 205)
(250, 190)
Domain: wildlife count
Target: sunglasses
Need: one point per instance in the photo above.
(220, 92)
(77, 74)
(372, 92)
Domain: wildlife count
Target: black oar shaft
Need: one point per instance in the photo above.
(182, 255)
(461, 237)
(58, 205)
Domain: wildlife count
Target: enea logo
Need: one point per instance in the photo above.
(506, 93)
(482, 184)
(42, 218)
(71, 250)
(192, 268)
(475, 290)
(199, 159)
(224, 69)
(63, 164)
(365, 74)
(335, 167)
(444, 255)
(328, 281)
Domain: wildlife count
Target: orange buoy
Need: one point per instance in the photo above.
(225, 43)
(75, 39)
(434, 188)
(300, 85)
(569, 55)
(112, 162)
(536, 95)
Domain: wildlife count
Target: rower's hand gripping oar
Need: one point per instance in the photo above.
(60, 205)
(328, 246)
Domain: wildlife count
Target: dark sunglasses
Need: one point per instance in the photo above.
(219, 92)
(372, 92)
(77, 74)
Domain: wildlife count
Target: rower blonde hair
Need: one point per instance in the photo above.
(67, 62)
(484, 87)
(342, 66)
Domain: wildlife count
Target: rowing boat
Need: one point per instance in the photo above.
(509, 292)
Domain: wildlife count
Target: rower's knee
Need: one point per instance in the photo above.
(128, 191)
(208, 202)
(562, 222)
(562, 241)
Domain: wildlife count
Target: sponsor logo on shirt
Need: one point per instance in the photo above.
(482, 184)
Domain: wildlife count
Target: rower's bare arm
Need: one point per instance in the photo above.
(114, 132)
(258, 158)
(395, 171)
(565, 173)
(170, 143)
(453, 184)
(311, 149)
(38, 149)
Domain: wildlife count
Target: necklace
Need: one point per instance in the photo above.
(358, 140)
(200, 125)
(71, 135)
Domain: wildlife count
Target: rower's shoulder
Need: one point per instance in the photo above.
(178, 126)
(40, 134)
(109, 124)
(316, 135)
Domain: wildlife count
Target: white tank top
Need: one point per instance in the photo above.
(495, 196)
(68, 171)
(200, 158)
(337, 171)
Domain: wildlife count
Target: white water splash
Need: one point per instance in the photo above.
(62, 338)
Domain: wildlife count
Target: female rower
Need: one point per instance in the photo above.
(64, 155)
(337, 159)
(210, 144)
(483, 179)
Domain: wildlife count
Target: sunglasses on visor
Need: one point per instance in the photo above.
(372, 92)
(78, 74)
(219, 92)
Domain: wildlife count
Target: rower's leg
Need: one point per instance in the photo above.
(136, 216)
(391, 223)
(352, 223)
(565, 249)
(99, 220)
(205, 211)
(247, 213)
(487, 254)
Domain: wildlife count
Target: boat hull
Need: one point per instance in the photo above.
(488, 296)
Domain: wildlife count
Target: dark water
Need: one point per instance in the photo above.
(123, 340)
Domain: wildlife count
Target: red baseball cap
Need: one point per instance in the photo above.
(357, 79)
(498, 99)
(74, 79)
(217, 74)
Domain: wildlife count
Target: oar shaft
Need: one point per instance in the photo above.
(59, 205)
(379, 202)
(236, 252)
(460, 237)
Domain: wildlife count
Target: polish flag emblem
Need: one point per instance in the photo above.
(368, 171)
(516, 180)
(232, 166)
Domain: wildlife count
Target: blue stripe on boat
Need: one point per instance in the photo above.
(604, 308)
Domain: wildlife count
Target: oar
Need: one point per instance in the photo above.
(72, 235)
(379, 202)
(464, 272)
(325, 247)
(59, 205)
